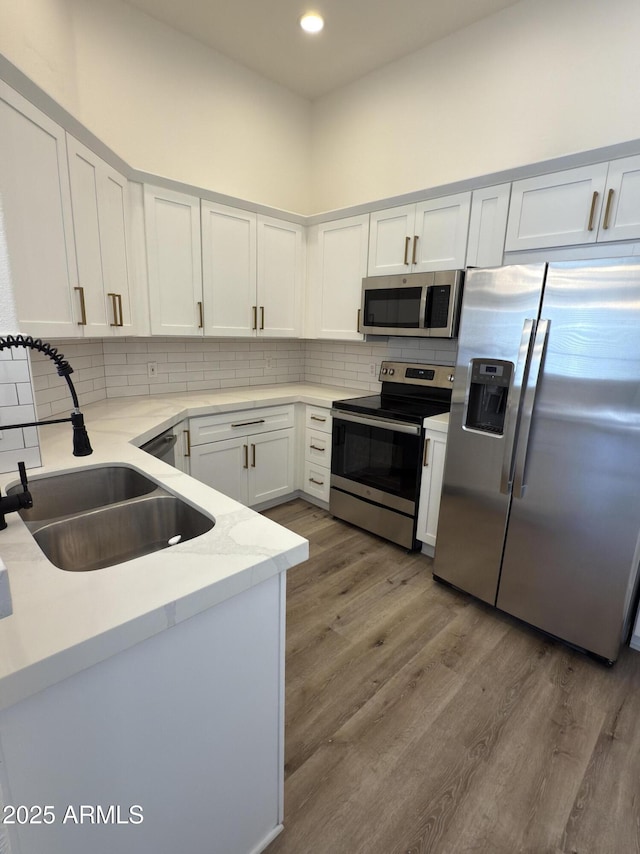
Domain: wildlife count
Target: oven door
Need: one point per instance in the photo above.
(375, 466)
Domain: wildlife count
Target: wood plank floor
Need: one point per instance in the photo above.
(421, 720)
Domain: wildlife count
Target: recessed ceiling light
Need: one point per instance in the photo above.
(312, 22)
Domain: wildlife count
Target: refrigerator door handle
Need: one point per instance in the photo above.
(515, 396)
(542, 333)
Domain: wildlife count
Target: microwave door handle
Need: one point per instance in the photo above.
(528, 403)
(514, 405)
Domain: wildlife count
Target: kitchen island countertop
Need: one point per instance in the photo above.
(64, 622)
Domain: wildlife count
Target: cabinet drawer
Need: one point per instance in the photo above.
(318, 418)
(247, 422)
(317, 447)
(316, 480)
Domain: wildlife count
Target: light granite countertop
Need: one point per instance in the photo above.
(64, 622)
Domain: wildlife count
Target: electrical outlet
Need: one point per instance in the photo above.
(372, 369)
(269, 364)
(152, 369)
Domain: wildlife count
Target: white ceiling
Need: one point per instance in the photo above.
(359, 35)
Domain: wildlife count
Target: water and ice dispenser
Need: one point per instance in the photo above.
(488, 391)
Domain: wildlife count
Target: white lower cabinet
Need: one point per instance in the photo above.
(317, 453)
(248, 461)
(435, 448)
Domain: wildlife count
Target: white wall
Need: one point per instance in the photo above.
(162, 101)
(541, 79)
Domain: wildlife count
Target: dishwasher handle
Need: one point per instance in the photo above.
(160, 446)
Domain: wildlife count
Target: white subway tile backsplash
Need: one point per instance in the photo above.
(16, 407)
(118, 368)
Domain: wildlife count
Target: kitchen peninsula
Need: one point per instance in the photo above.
(155, 684)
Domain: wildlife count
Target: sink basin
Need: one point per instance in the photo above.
(81, 490)
(120, 532)
(92, 518)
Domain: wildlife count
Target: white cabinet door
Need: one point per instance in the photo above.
(556, 210)
(429, 236)
(271, 465)
(99, 199)
(249, 469)
(440, 239)
(337, 263)
(488, 226)
(172, 229)
(36, 200)
(279, 280)
(621, 208)
(115, 231)
(391, 235)
(223, 466)
(229, 270)
(431, 486)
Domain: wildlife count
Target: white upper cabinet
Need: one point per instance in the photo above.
(229, 270)
(100, 205)
(172, 230)
(34, 188)
(279, 292)
(488, 226)
(591, 204)
(621, 206)
(390, 241)
(337, 263)
(252, 273)
(428, 236)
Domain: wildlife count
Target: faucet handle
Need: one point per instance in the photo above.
(23, 476)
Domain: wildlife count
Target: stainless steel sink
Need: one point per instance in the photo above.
(120, 532)
(97, 517)
(81, 490)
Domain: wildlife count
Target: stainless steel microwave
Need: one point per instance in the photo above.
(417, 304)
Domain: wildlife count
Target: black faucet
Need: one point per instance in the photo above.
(81, 444)
(17, 501)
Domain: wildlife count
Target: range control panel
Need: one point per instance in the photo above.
(411, 373)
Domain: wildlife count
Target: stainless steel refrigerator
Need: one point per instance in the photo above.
(540, 511)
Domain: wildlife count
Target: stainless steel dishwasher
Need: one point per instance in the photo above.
(162, 447)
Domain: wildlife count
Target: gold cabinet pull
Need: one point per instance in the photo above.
(200, 316)
(414, 259)
(318, 418)
(317, 482)
(317, 448)
(607, 212)
(261, 317)
(83, 308)
(254, 308)
(116, 308)
(248, 423)
(407, 241)
(245, 448)
(253, 456)
(358, 321)
(187, 442)
(425, 456)
(592, 214)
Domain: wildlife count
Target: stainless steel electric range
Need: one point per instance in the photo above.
(378, 447)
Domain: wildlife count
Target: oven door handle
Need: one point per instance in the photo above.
(383, 423)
